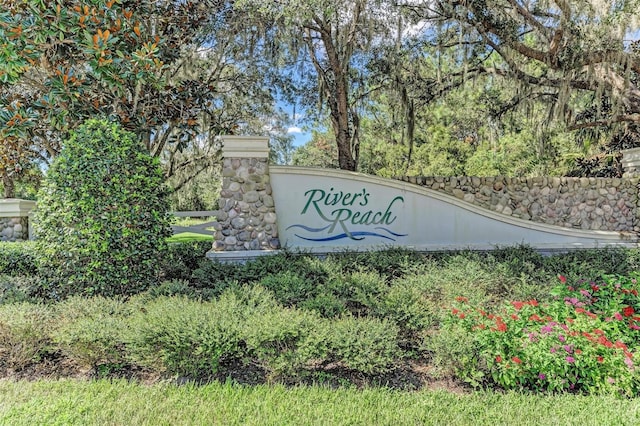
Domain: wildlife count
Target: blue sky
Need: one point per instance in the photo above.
(300, 133)
(300, 136)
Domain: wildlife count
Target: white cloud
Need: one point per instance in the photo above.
(294, 130)
(416, 29)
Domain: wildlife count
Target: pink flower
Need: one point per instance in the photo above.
(562, 279)
(570, 359)
(617, 316)
(546, 329)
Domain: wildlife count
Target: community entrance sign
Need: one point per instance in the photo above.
(326, 210)
(265, 208)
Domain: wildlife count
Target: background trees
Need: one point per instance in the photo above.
(326, 45)
(580, 59)
(174, 73)
(430, 87)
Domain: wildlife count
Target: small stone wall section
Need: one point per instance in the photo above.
(14, 229)
(608, 204)
(247, 218)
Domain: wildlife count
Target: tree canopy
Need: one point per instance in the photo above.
(402, 87)
(169, 71)
(581, 57)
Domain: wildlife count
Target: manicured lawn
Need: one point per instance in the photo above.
(124, 403)
(186, 237)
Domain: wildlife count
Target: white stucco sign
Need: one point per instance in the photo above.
(323, 210)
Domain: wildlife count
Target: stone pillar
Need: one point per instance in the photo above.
(14, 219)
(246, 224)
(631, 169)
(631, 162)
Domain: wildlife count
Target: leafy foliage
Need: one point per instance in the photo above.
(18, 258)
(17, 289)
(181, 259)
(579, 58)
(583, 341)
(495, 319)
(142, 63)
(24, 334)
(90, 331)
(187, 338)
(103, 215)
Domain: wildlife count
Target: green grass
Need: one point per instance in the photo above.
(68, 402)
(190, 236)
(187, 237)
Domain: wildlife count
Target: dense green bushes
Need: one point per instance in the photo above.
(182, 258)
(24, 334)
(18, 259)
(18, 272)
(585, 339)
(183, 337)
(102, 215)
(294, 317)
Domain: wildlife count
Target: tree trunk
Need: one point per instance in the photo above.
(340, 119)
(343, 141)
(8, 185)
(336, 83)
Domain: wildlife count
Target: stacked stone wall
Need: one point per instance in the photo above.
(247, 218)
(14, 229)
(609, 204)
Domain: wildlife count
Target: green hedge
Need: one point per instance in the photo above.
(178, 336)
(18, 258)
(102, 216)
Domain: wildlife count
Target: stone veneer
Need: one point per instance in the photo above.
(247, 218)
(14, 219)
(609, 204)
(14, 229)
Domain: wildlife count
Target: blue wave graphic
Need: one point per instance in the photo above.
(306, 228)
(391, 232)
(357, 235)
(352, 236)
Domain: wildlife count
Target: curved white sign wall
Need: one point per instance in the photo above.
(322, 210)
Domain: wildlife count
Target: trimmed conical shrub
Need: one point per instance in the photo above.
(102, 215)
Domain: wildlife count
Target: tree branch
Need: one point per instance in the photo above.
(633, 118)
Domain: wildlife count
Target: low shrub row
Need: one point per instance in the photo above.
(19, 280)
(182, 337)
(294, 316)
(299, 279)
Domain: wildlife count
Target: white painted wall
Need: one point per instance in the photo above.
(322, 210)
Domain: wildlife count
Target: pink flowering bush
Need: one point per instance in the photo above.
(585, 340)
